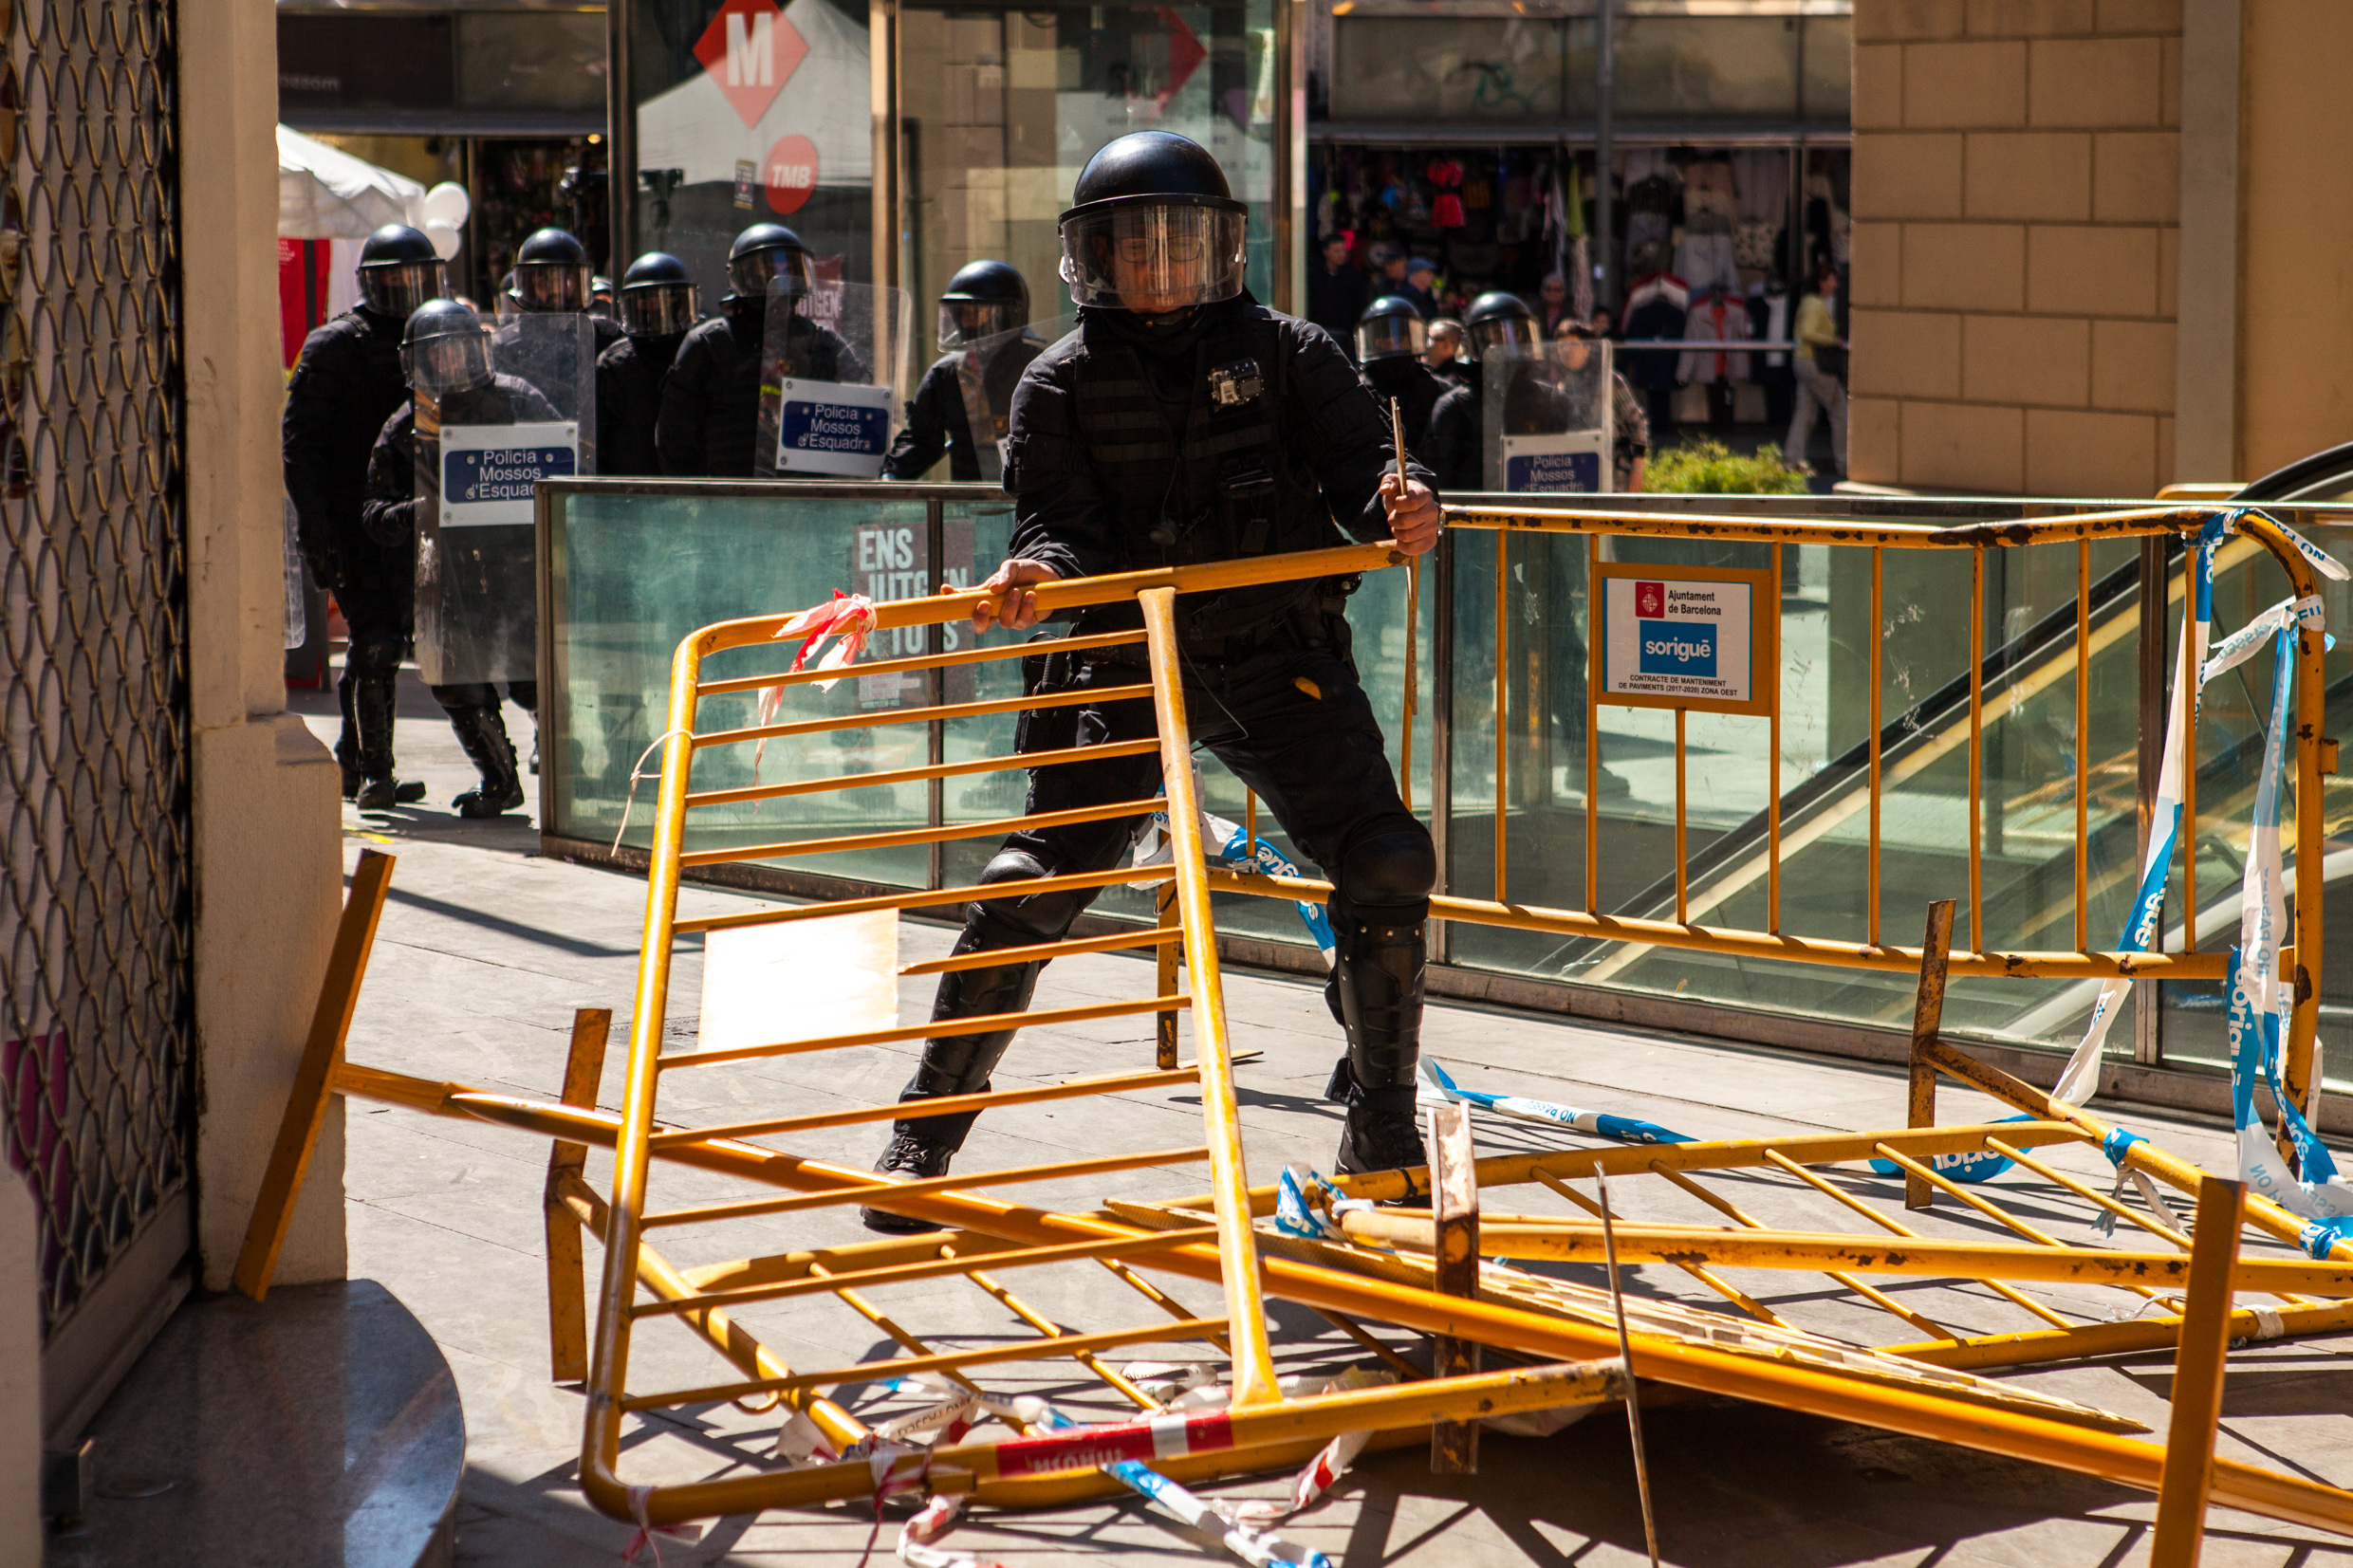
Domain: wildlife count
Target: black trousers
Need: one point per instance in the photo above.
(1292, 723)
(485, 695)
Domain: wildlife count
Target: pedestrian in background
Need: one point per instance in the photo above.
(1336, 292)
(1553, 307)
(1821, 371)
(1420, 274)
(1444, 354)
(1630, 437)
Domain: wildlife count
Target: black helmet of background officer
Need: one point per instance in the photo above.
(984, 299)
(1153, 227)
(657, 296)
(1390, 328)
(1499, 320)
(552, 272)
(399, 271)
(767, 258)
(445, 349)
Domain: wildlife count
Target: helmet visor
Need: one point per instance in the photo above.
(452, 362)
(656, 311)
(1152, 258)
(963, 322)
(552, 285)
(751, 275)
(1391, 338)
(1504, 332)
(395, 289)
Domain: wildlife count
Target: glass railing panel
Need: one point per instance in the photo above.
(632, 572)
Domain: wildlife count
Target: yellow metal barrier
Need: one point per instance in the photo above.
(1363, 1272)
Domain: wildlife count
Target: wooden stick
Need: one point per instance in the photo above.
(1455, 1207)
(567, 1308)
(306, 1107)
(1927, 1015)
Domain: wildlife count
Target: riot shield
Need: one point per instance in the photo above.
(480, 455)
(833, 375)
(987, 369)
(1548, 417)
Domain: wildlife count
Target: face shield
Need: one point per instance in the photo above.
(750, 275)
(657, 310)
(1391, 338)
(1502, 332)
(452, 362)
(395, 289)
(1152, 257)
(550, 286)
(963, 322)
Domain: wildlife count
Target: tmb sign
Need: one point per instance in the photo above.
(751, 52)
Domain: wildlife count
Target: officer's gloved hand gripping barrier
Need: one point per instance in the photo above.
(1400, 1252)
(480, 453)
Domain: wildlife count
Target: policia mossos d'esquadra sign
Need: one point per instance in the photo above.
(1695, 638)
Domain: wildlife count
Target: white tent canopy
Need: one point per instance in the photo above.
(324, 194)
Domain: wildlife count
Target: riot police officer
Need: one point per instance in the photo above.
(657, 311)
(1390, 340)
(980, 342)
(1457, 441)
(1182, 423)
(710, 403)
(552, 275)
(346, 383)
(446, 356)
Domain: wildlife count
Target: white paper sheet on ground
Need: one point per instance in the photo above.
(800, 980)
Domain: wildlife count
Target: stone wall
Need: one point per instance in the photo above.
(2016, 193)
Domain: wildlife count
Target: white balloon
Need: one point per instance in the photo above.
(444, 237)
(447, 203)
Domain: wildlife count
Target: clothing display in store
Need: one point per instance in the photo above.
(1771, 319)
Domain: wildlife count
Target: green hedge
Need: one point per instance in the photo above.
(1710, 467)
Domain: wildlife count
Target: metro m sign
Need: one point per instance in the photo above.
(751, 52)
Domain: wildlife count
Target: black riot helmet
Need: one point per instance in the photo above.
(1500, 320)
(1153, 227)
(657, 296)
(445, 349)
(399, 271)
(766, 256)
(983, 299)
(552, 272)
(1390, 328)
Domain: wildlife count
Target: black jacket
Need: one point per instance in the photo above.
(710, 421)
(629, 384)
(1090, 465)
(1456, 444)
(1336, 301)
(346, 383)
(390, 511)
(1416, 390)
(937, 419)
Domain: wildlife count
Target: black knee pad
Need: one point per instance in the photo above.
(1394, 867)
(1016, 921)
(375, 653)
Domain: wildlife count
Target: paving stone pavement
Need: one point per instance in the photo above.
(486, 947)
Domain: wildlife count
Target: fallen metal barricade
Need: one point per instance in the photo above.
(1364, 1270)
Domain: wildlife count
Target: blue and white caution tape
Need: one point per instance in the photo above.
(1973, 1166)
(2081, 1079)
(2115, 1146)
(1227, 843)
(1260, 1548)
(1307, 1207)
(1436, 1088)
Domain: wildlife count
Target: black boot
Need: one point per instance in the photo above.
(959, 1065)
(374, 704)
(483, 734)
(347, 744)
(1377, 988)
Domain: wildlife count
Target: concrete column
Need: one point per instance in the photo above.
(268, 845)
(2206, 359)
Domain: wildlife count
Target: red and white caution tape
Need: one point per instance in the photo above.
(849, 619)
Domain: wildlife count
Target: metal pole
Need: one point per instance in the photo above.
(2188, 1474)
(2146, 1047)
(620, 130)
(1604, 106)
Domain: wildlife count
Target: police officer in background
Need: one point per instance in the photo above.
(1390, 339)
(709, 419)
(552, 275)
(985, 300)
(656, 312)
(1456, 442)
(446, 356)
(346, 383)
(1183, 422)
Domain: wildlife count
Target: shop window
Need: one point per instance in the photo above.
(1456, 68)
(1707, 67)
(531, 60)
